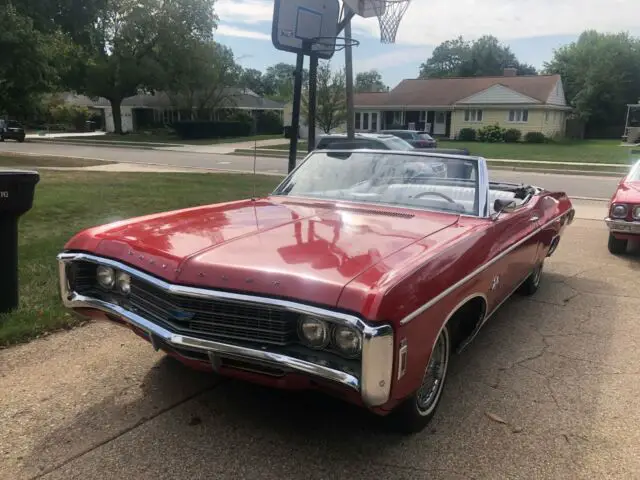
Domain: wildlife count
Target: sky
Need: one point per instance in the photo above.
(532, 28)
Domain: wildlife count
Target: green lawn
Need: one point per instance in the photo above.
(67, 202)
(587, 151)
(164, 138)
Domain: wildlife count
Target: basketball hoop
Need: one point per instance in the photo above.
(331, 44)
(388, 12)
(389, 17)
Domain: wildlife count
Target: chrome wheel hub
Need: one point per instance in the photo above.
(537, 273)
(433, 379)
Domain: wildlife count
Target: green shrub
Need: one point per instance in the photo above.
(192, 129)
(491, 134)
(535, 137)
(269, 123)
(467, 135)
(512, 135)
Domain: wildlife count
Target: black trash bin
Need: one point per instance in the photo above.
(16, 198)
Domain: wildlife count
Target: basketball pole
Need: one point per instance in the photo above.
(295, 114)
(313, 87)
(348, 67)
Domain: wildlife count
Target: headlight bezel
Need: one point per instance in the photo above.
(319, 321)
(636, 212)
(336, 343)
(330, 342)
(123, 278)
(623, 206)
(107, 270)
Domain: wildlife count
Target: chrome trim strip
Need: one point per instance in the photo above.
(622, 226)
(476, 272)
(377, 349)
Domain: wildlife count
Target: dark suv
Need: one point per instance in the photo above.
(416, 138)
(372, 141)
(10, 129)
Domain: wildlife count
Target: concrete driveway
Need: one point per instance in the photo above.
(561, 369)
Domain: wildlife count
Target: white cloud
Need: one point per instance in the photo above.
(396, 58)
(244, 11)
(230, 31)
(429, 22)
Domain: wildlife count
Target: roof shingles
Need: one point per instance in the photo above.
(433, 92)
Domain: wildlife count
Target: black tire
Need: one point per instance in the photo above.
(617, 246)
(1, 138)
(21, 139)
(412, 417)
(532, 283)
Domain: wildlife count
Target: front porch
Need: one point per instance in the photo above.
(435, 122)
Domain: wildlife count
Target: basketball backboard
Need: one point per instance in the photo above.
(367, 8)
(295, 21)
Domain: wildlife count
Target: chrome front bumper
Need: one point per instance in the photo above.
(374, 383)
(623, 226)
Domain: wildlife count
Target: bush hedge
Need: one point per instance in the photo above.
(512, 135)
(491, 134)
(467, 135)
(195, 129)
(535, 137)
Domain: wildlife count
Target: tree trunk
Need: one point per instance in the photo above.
(117, 115)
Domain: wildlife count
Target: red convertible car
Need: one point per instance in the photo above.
(360, 275)
(624, 212)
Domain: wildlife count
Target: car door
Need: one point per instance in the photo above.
(515, 246)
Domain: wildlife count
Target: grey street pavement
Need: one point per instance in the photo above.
(574, 185)
(549, 389)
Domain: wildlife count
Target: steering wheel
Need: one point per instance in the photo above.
(448, 199)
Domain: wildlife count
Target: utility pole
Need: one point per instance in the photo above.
(313, 87)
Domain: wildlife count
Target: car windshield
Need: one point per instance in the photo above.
(395, 143)
(425, 136)
(442, 183)
(634, 174)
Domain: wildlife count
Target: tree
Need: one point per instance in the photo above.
(200, 78)
(600, 74)
(30, 64)
(370, 81)
(252, 79)
(278, 81)
(331, 110)
(132, 37)
(483, 57)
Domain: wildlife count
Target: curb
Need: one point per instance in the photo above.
(139, 146)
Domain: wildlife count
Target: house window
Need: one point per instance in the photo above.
(519, 116)
(374, 122)
(473, 115)
(423, 117)
(365, 121)
(397, 118)
(357, 122)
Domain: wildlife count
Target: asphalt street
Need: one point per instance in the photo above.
(574, 185)
(550, 389)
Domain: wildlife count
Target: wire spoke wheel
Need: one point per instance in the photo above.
(434, 375)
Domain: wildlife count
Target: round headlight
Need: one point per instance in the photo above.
(314, 332)
(106, 276)
(348, 341)
(636, 212)
(619, 211)
(123, 282)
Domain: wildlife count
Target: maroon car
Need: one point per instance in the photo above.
(623, 220)
(358, 275)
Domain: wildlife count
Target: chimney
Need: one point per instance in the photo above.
(510, 72)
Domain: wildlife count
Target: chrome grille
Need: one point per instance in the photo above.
(213, 318)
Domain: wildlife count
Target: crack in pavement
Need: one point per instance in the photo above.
(124, 431)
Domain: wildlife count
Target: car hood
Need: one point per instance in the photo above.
(278, 246)
(628, 192)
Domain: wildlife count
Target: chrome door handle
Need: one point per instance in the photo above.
(535, 218)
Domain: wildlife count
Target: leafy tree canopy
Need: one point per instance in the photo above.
(485, 56)
(370, 81)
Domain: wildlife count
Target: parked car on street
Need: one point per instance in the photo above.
(416, 138)
(623, 219)
(357, 276)
(11, 130)
(375, 141)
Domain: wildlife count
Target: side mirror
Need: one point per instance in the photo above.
(503, 206)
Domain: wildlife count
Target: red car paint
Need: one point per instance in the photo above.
(628, 193)
(381, 263)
